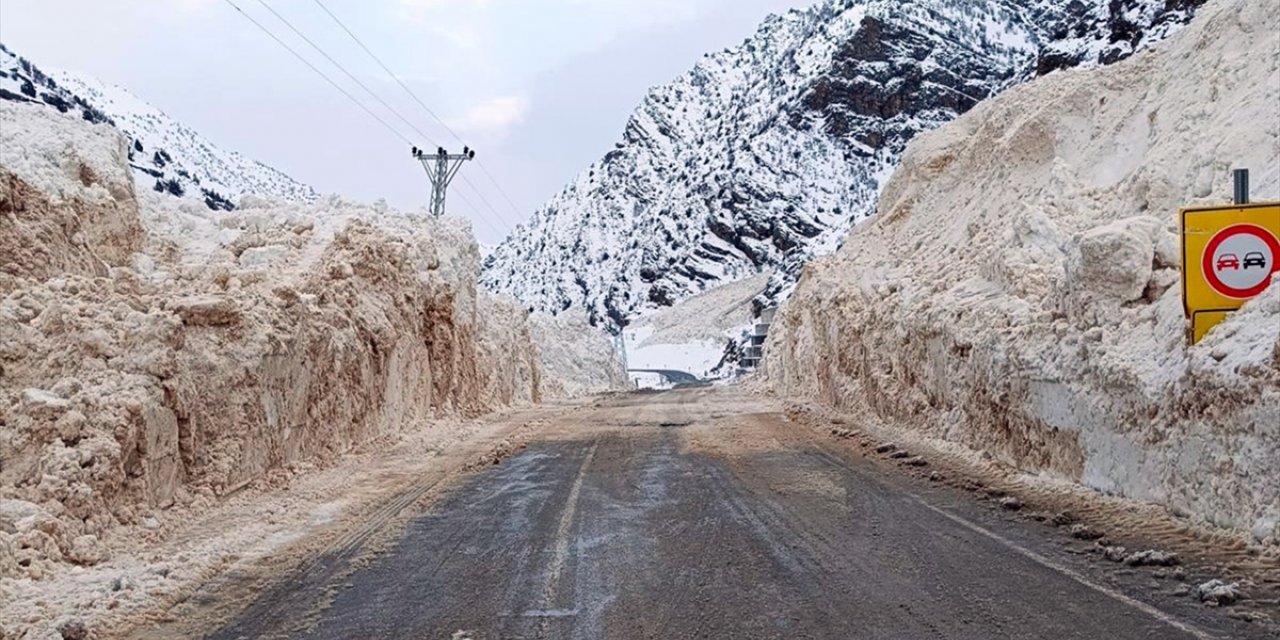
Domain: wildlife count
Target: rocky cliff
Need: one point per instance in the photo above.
(765, 154)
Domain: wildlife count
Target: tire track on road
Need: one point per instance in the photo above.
(560, 555)
(1037, 558)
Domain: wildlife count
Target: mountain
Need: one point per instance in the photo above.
(764, 155)
(166, 155)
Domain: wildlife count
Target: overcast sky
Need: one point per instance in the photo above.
(540, 87)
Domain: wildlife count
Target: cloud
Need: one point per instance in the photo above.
(439, 13)
(430, 4)
(492, 118)
(193, 6)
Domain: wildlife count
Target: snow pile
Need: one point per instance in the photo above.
(695, 335)
(577, 358)
(165, 155)
(231, 348)
(66, 199)
(1018, 291)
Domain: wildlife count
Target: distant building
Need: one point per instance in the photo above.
(753, 352)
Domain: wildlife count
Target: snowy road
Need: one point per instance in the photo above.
(707, 514)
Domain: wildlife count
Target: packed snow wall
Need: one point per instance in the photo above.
(1018, 289)
(70, 213)
(577, 359)
(140, 367)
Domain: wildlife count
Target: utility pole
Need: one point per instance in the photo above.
(442, 167)
(620, 345)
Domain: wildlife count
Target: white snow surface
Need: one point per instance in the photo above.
(693, 335)
(70, 203)
(159, 356)
(696, 357)
(709, 315)
(1017, 290)
(31, 149)
(765, 154)
(161, 149)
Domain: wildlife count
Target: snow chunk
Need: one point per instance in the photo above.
(38, 401)
(14, 511)
(1113, 259)
(1219, 593)
(206, 311)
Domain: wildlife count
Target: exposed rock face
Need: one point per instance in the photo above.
(1017, 290)
(1084, 33)
(764, 155)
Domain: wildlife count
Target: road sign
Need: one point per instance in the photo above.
(1203, 321)
(1239, 260)
(1229, 254)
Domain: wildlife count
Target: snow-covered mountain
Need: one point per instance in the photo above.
(166, 155)
(765, 154)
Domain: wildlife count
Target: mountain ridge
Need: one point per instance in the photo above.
(166, 155)
(764, 155)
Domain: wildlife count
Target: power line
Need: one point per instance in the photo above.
(468, 182)
(321, 73)
(477, 213)
(378, 98)
(500, 216)
(343, 69)
(422, 104)
(477, 210)
(343, 91)
(501, 191)
(387, 69)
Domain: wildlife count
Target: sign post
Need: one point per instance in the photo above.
(1229, 254)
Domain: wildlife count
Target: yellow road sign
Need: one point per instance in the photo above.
(1229, 254)
(1203, 321)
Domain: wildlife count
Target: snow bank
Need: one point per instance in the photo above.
(695, 335)
(577, 358)
(710, 315)
(66, 197)
(139, 369)
(1018, 291)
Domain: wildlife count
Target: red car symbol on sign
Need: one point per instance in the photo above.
(1255, 259)
(1228, 261)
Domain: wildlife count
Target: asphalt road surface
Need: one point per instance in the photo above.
(688, 515)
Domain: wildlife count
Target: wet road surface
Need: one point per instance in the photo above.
(637, 528)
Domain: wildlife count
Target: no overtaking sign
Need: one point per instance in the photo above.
(1239, 261)
(1229, 254)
